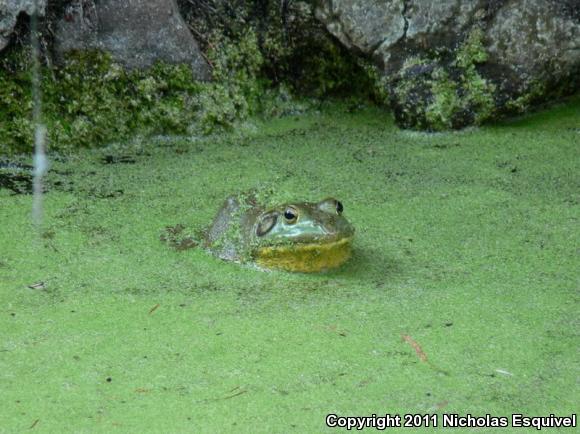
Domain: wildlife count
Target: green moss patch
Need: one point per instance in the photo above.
(90, 100)
(440, 98)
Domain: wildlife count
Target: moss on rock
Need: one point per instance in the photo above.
(90, 100)
(260, 66)
(427, 95)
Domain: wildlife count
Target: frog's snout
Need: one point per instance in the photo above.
(335, 230)
(328, 228)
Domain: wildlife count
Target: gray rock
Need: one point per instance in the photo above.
(452, 63)
(364, 25)
(9, 11)
(3, 42)
(535, 40)
(136, 33)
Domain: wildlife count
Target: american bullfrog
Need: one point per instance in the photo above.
(300, 236)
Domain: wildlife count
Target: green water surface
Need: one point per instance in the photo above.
(461, 297)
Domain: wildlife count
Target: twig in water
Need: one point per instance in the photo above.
(235, 394)
(240, 392)
(420, 353)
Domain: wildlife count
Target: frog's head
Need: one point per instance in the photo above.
(305, 237)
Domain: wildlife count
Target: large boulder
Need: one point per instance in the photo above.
(452, 63)
(135, 33)
(9, 12)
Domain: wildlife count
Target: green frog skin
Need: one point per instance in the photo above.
(299, 236)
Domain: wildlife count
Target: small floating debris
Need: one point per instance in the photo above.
(504, 372)
(16, 177)
(37, 285)
(420, 353)
(438, 406)
(177, 237)
(114, 159)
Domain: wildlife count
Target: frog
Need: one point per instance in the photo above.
(303, 237)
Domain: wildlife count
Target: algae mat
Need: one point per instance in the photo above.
(461, 296)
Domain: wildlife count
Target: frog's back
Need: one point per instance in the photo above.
(216, 236)
(227, 235)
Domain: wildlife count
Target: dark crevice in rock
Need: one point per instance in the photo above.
(374, 48)
(405, 18)
(456, 13)
(491, 7)
(569, 8)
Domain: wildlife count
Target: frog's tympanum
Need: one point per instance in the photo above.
(302, 236)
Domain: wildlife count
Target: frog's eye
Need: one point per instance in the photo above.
(266, 224)
(291, 215)
(331, 205)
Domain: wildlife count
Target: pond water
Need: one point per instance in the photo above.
(461, 296)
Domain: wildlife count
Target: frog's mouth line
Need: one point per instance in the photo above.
(305, 257)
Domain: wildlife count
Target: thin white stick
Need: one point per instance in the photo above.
(40, 160)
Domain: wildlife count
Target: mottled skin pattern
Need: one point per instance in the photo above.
(301, 236)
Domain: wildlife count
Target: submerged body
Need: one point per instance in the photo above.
(304, 236)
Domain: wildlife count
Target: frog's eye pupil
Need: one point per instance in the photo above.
(290, 215)
(339, 207)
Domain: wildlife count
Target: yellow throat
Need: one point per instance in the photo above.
(307, 257)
